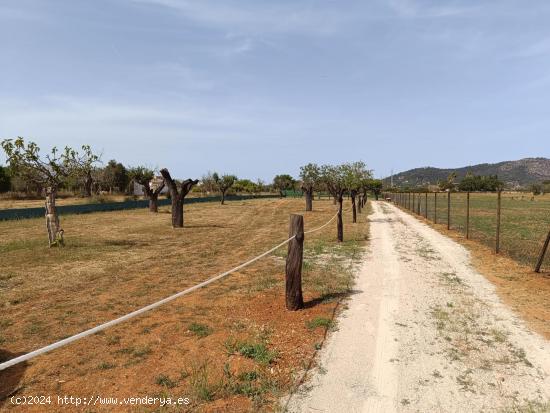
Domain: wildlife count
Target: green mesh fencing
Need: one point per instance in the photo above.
(25, 213)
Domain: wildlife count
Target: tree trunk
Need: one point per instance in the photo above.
(177, 197)
(88, 182)
(309, 199)
(55, 233)
(153, 202)
(177, 212)
(340, 222)
(223, 197)
(353, 207)
(294, 260)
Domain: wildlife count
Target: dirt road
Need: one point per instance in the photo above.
(424, 332)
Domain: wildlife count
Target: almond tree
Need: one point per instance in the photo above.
(49, 172)
(223, 183)
(310, 175)
(333, 178)
(177, 195)
(145, 177)
(86, 164)
(354, 175)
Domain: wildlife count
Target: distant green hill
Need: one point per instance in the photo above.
(514, 174)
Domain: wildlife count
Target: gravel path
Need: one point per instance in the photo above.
(425, 333)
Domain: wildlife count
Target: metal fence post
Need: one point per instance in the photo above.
(449, 209)
(435, 207)
(543, 253)
(468, 215)
(426, 206)
(497, 240)
(294, 260)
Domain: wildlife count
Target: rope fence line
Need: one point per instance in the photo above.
(101, 327)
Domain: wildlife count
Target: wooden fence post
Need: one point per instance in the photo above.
(449, 209)
(468, 215)
(413, 209)
(294, 259)
(340, 226)
(435, 207)
(497, 240)
(543, 253)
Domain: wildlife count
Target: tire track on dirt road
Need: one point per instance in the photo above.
(425, 332)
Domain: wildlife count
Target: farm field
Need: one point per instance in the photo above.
(525, 221)
(231, 345)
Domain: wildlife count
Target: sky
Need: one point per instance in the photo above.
(256, 88)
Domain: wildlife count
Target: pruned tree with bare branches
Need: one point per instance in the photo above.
(177, 195)
(223, 183)
(152, 189)
(310, 175)
(333, 178)
(49, 172)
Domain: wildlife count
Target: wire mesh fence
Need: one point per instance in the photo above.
(516, 224)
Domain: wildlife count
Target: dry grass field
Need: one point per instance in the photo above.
(231, 346)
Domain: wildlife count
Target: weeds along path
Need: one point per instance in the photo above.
(426, 332)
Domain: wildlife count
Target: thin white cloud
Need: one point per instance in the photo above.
(255, 18)
(535, 49)
(418, 9)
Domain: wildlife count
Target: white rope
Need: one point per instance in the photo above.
(322, 226)
(133, 314)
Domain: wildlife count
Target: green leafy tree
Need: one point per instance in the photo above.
(246, 185)
(333, 178)
(449, 183)
(354, 174)
(480, 183)
(375, 186)
(283, 183)
(310, 175)
(223, 183)
(5, 179)
(151, 187)
(49, 171)
(115, 176)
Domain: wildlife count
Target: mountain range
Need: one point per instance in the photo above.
(514, 174)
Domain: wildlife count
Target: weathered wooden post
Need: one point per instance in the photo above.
(435, 207)
(294, 259)
(449, 209)
(340, 225)
(497, 240)
(543, 253)
(468, 215)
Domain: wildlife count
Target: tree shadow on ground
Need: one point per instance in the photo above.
(204, 226)
(325, 298)
(10, 378)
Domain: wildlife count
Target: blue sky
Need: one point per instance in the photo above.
(257, 88)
